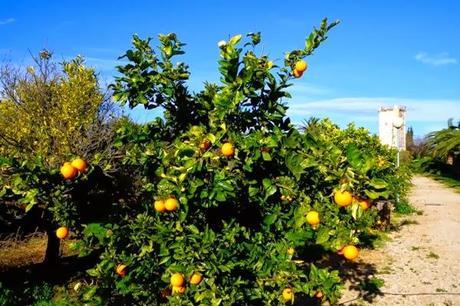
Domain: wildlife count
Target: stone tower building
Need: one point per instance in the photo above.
(392, 126)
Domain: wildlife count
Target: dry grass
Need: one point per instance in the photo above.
(31, 250)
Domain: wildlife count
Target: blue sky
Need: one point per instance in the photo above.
(383, 52)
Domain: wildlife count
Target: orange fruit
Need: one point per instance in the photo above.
(178, 290)
(364, 203)
(177, 280)
(313, 218)
(205, 144)
(319, 294)
(350, 252)
(171, 204)
(343, 198)
(121, 270)
(288, 294)
(159, 205)
(62, 232)
(301, 66)
(196, 278)
(68, 171)
(227, 149)
(79, 164)
(290, 251)
(296, 73)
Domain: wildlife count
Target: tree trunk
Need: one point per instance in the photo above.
(52, 248)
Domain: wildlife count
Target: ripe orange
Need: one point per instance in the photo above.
(178, 290)
(296, 73)
(319, 294)
(171, 204)
(350, 252)
(177, 280)
(364, 203)
(290, 251)
(196, 278)
(343, 198)
(79, 164)
(288, 294)
(159, 205)
(68, 171)
(313, 218)
(62, 232)
(301, 66)
(205, 144)
(227, 149)
(121, 270)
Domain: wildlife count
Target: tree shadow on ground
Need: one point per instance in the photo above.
(359, 275)
(19, 279)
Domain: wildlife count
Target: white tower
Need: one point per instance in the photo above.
(392, 126)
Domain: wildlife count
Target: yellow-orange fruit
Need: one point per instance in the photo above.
(301, 66)
(68, 171)
(121, 270)
(343, 198)
(171, 204)
(296, 73)
(290, 251)
(364, 203)
(159, 205)
(79, 164)
(62, 232)
(196, 278)
(227, 149)
(350, 252)
(313, 218)
(288, 294)
(177, 280)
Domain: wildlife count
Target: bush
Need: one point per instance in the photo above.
(238, 180)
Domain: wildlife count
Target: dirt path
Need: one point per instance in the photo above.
(421, 264)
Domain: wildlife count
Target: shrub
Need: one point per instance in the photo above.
(244, 179)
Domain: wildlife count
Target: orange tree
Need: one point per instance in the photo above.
(233, 197)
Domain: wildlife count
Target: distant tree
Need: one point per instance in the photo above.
(410, 139)
(52, 110)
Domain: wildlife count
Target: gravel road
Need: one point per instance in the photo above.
(421, 263)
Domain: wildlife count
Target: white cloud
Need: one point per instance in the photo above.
(6, 21)
(435, 59)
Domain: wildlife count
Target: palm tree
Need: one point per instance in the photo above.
(446, 141)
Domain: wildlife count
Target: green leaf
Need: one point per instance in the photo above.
(270, 219)
(322, 236)
(266, 156)
(235, 39)
(378, 183)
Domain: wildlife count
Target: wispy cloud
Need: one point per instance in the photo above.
(439, 59)
(6, 21)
